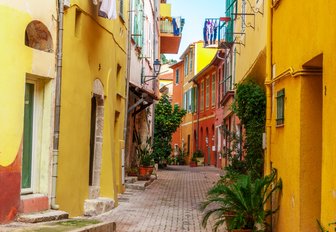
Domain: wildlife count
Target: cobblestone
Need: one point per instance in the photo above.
(169, 204)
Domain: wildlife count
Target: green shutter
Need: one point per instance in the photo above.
(193, 100)
(28, 136)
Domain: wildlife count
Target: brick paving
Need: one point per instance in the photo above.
(170, 203)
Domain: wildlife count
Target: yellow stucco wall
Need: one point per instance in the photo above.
(250, 55)
(13, 81)
(21, 63)
(203, 56)
(301, 31)
(165, 9)
(100, 46)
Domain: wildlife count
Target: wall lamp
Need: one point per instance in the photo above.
(157, 67)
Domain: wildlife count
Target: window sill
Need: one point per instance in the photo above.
(280, 125)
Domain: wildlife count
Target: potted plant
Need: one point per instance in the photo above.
(145, 157)
(241, 205)
(193, 161)
(199, 156)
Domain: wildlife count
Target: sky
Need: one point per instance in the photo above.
(194, 12)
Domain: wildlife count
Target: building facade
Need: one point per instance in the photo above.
(28, 45)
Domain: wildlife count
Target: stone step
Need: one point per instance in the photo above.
(44, 216)
(94, 207)
(33, 203)
(131, 179)
(138, 185)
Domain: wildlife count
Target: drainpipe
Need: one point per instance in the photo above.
(267, 167)
(128, 77)
(57, 104)
(198, 116)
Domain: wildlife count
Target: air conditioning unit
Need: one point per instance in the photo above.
(66, 3)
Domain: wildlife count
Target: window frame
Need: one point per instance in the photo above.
(207, 92)
(280, 113)
(213, 90)
(177, 76)
(202, 96)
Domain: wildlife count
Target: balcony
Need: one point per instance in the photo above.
(170, 34)
(218, 32)
(170, 30)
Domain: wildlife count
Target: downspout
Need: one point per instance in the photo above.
(267, 162)
(128, 77)
(57, 104)
(156, 54)
(198, 115)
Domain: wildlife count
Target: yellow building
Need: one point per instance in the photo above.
(289, 45)
(195, 58)
(28, 47)
(301, 108)
(92, 107)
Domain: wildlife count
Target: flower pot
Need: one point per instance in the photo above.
(142, 171)
(193, 164)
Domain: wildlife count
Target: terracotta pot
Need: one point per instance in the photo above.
(142, 171)
(193, 164)
(150, 170)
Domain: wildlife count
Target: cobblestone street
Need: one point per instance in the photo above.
(170, 203)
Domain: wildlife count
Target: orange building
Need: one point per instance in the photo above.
(204, 122)
(178, 79)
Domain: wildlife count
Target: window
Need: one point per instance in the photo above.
(185, 103)
(191, 60)
(280, 107)
(213, 90)
(202, 96)
(177, 76)
(189, 101)
(186, 62)
(138, 23)
(207, 93)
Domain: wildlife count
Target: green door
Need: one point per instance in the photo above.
(27, 155)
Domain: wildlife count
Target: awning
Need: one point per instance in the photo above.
(146, 98)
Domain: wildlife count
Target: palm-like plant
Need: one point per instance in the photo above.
(241, 204)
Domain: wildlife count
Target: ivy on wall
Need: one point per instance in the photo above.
(250, 107)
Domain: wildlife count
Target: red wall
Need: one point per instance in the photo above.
(177, 98)
(10, 181)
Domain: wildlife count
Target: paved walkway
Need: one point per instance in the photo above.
(169, 204)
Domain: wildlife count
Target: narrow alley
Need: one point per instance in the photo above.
(170, 203)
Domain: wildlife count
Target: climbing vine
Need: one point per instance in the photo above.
(250, 106)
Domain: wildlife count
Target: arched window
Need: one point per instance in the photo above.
(37, 36)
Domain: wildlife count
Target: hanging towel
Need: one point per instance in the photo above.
(109, 8)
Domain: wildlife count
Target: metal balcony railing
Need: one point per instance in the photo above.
(228, 84)
(217, 32)
(172, 25)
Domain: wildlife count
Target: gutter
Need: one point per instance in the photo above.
(267, 161)
(198, 115)
(57, 105)
(128, 77)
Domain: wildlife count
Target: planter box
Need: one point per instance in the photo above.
(200, 161)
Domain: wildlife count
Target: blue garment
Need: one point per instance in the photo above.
(175, 28)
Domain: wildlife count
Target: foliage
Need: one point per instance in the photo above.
(198, 154)
(144, 151)
(241, 204)
(234, 153)
(250, 106)
(164, 60)
(167, 120)
(322, 228)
